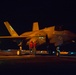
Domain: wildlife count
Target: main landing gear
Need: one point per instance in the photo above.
(19, 51)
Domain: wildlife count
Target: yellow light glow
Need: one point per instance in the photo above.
(63, 52)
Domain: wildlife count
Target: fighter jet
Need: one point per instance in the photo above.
(40, 36)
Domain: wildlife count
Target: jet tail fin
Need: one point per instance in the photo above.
(35, 26)
(10, 29)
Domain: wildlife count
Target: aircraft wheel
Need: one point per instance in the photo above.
(18, 52)
(57, 54)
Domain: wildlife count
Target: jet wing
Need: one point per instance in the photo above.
(13, 37)
(17, 37)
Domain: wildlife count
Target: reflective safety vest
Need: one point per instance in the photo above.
(34, 44)
(31, 45)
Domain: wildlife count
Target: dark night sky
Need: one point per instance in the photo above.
(21, 14)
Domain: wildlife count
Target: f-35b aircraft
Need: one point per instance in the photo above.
(40, 36)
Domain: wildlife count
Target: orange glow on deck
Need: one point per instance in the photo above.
(63, 52)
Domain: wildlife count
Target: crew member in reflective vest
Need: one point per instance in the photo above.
(31, 46)
(34, 47)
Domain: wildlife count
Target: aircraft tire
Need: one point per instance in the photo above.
(57, 54)
(18, 52)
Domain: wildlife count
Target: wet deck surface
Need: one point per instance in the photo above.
(37, 65)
